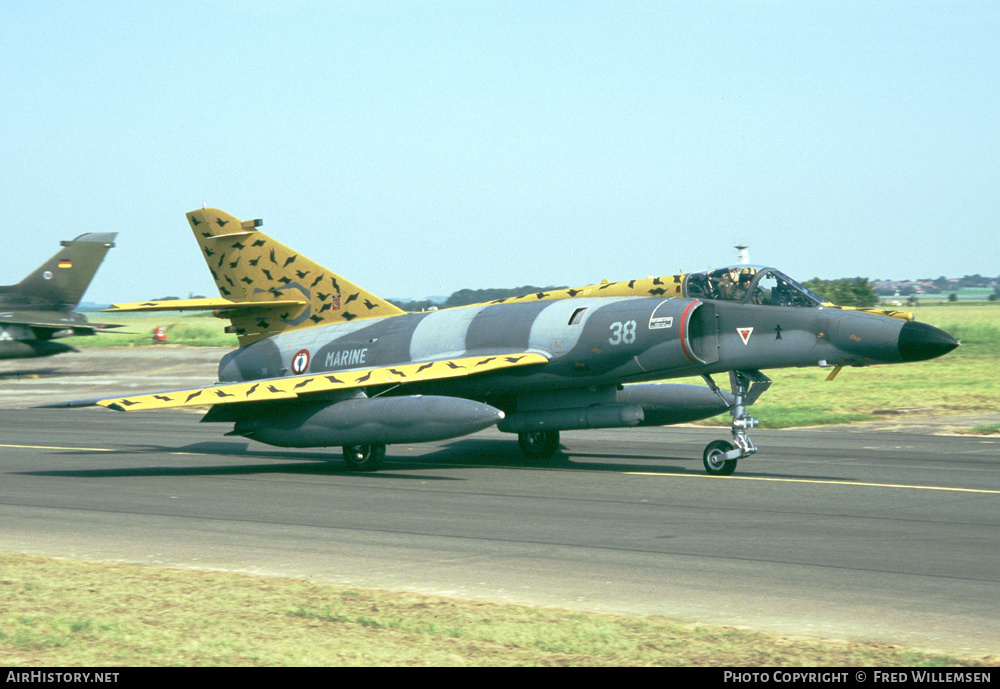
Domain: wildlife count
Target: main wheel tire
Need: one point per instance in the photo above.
(364, 457)
(714, 465)
(539, 444)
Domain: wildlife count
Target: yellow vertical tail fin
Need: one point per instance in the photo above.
(250, 266)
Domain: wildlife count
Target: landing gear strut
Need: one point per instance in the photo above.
(720, 456)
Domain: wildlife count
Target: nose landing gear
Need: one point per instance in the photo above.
(720, 456)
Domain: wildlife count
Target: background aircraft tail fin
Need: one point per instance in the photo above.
(250, 266)
(60, 282)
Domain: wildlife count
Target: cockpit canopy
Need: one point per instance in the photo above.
(750, 284)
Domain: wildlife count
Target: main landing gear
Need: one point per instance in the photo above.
(364, 457)
(539, 444)
(720, 456)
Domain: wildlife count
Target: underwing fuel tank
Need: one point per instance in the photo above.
(575, 418)
(370, 421)
(648, 404)
(668, 403)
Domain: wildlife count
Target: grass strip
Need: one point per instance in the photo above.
(72, 613)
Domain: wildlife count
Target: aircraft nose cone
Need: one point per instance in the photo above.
(919, 341)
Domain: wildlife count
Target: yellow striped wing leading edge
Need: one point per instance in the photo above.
(295, 386)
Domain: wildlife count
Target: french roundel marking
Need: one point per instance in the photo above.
(300, 362)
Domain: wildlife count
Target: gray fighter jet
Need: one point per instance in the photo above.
(39, 309)
(323, 362)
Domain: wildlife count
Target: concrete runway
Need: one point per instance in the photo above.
(836, 533)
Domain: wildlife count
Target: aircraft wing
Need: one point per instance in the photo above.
(94, 328)
(55, 323)
(296, 386)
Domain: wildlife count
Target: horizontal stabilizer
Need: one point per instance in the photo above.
(95, 328)
(257, 318)
(54, 322)
(206, 305)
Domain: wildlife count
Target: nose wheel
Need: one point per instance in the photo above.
(714, 461)
(720, 456)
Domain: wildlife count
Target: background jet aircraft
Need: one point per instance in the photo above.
(323, 363)
(39, 309)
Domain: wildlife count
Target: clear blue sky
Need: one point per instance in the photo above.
(418, 148)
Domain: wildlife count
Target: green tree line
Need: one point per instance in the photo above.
(845, 291)
(465, 297)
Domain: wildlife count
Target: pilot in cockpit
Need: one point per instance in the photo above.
(728, 285)
(743, 287)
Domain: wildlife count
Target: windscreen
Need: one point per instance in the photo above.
(751, 284)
